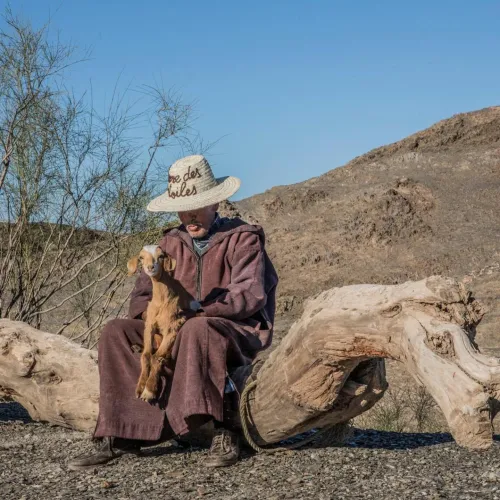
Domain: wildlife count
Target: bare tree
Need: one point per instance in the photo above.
(73, 185)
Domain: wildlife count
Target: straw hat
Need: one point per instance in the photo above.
(192, 185)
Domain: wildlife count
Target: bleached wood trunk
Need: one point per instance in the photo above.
(308, 379)
(52, 377)
(328, 369)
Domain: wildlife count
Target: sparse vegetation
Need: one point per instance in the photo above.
(403, 410)
(74, 184)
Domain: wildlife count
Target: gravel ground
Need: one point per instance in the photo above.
(374, 464)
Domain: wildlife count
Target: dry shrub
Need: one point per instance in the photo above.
(401, 410)
(74, 184)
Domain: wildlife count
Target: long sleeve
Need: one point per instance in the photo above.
(141, 295)
(245, 295)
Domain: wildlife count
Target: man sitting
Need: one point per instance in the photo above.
(223, 265)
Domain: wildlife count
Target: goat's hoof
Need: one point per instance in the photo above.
(147, 395)
(139, 390)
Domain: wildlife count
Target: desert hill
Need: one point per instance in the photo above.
(428, 204)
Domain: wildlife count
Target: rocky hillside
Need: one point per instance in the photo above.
(428, 204)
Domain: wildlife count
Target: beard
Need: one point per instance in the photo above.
(196, 231)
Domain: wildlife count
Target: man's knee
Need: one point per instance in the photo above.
(194, 326)
(197, 334)
(113, 330)
(198, 329)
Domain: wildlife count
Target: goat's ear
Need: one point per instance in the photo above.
(132, 265)
(169, 263)
(159, 252)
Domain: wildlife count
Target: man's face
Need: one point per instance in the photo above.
(198, 222)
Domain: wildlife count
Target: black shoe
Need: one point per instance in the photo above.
(110, 449)
(225, 449)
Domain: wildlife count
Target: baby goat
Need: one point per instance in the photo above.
(163, 314)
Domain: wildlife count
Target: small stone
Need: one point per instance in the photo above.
(493, 476)
(174, 473)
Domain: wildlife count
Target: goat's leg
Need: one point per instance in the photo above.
(146, 358)
(152, 385)
(162, 354)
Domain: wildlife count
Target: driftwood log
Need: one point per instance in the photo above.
(328, 369)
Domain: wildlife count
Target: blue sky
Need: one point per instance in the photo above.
(294, 88)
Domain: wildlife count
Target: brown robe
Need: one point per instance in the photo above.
(235, 282)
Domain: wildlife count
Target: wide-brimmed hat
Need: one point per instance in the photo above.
(192, 185)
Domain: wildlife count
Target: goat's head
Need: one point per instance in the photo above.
(153, 260)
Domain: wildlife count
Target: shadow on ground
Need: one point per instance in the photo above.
(10, 411)
(368, 438)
